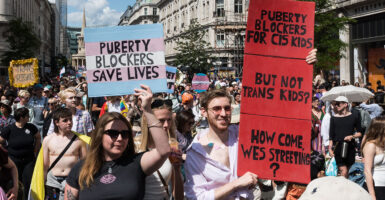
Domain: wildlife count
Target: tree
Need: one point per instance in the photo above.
(326, 35)
(23, 43)
(193, 50)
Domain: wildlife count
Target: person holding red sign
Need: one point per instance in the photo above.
(211, 163)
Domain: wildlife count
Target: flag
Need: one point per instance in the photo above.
(62, 71)
(36, 191)
(200, 82)
(123, 108)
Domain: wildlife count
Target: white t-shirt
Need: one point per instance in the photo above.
(154, 186)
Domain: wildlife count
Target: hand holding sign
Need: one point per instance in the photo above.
(145, 95)
(247, 181)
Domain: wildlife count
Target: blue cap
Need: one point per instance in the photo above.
(38, 86)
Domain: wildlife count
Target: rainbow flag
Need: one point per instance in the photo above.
(123, 108)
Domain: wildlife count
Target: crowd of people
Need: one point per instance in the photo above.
(166, 146)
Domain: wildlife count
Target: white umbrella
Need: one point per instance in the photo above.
(354, 94)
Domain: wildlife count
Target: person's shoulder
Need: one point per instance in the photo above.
(370, 146)
(31, 126)
(47, 139)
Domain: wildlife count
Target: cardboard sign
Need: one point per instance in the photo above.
(275, 127)
(23, 73)
(171, 76)
(200, 82)
(275, 148)
(121, 58)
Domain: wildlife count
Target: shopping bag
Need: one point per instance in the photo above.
(331, 169)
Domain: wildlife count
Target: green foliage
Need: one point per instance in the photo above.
(22, 41)
(326, 35)
(192, 49)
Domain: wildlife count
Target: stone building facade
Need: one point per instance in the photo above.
(364, 58)
(224, 20)
(40, 14)
(142, 12)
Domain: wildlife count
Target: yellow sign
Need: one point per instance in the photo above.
(23, 73)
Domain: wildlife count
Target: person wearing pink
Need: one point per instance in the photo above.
(211, 163)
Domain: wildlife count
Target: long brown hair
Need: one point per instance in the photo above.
(95, 156)
(145, 138)
(376, 132)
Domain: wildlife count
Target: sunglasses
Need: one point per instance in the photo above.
(160, 102)
(51, 104)
(114, 134)
(337, 103)
(218, 109)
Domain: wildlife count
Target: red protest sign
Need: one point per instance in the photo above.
(286, 25)
(275, 148)
(277, 89)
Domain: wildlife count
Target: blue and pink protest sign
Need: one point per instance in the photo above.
(121, 58)
(200, 82)
(171, 75)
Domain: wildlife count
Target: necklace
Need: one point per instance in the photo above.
(109, 177)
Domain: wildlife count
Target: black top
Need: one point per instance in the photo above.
(340, 127)
(21, 141)
(127, 180)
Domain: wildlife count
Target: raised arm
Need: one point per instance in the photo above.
(154, 159)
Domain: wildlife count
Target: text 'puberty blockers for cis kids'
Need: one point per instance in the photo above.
(121, 58)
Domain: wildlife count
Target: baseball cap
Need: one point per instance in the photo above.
(342, 99)
(187, 97)
(334, 188)
(38, 86)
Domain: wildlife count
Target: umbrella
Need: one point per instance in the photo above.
(353, 93)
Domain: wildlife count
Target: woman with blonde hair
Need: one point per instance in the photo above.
(374, 162)
(24, 97)
(112, 169)
(157, 183)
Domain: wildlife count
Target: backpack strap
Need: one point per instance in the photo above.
(62, 153)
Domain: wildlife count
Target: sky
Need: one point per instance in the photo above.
(98, 12)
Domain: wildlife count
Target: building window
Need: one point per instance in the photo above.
(220, 8)
(238, 6)
(145, 11)
(221, 39)
(154, 11)
(145, 22)
(239, 40)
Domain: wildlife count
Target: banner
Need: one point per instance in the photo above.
(200, 82)
(171, 76)
(23, 73)
(275, 126)
(121, 58)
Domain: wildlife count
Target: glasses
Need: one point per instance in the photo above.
(114, 134)
(338, 103)
(160, 102)
(218, 109)
(51, 104)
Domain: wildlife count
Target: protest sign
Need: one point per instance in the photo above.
(275, 127)
(121, 58)
(200, 82)
(171, 76)
(23, 73)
